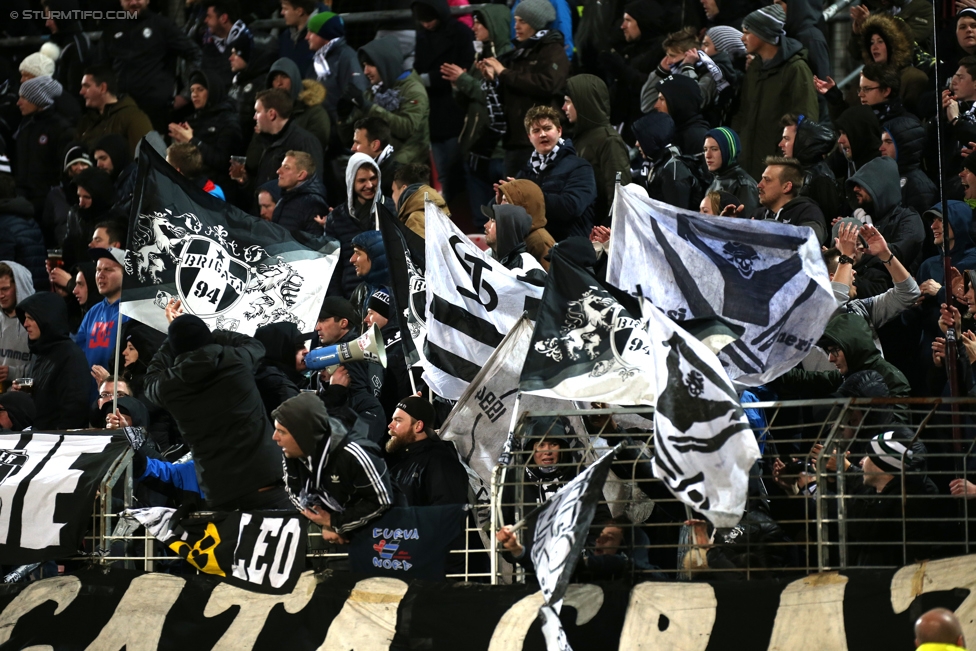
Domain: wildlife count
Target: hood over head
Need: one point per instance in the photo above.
(897, 35)
(435, 7)
(51, 314)
(87, 269)
(800, 15)
(652, 17)
(281, 342)
(498, 20)
(23, 281)
(525, 193)
(372, 243)
(188, 333)
(385, 54)
(961, 220)
(813, 141)
(20, 409)
(306, 418)
(356, 161)
(683, 96)
(577, 249)
(99, 185)
(216, 91)
(117, 149)
(290, 68)
(654, 132)
(880, 178)
(129, 406)
(852, 334)
(909, 137)
(512, 224)
(591, 100)
(863, 130)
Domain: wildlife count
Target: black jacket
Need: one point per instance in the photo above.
(58, 366)
(812, 144)
(22, 240)
(297, 208)
(40, 139)
(246, 85)
(917, 190)
(277, 378)
(733, 178)
(360, 395)
(799, 211)
(216, 131)
(77, 50)
(429, 473)
(266, 151)
(213, 397)
(143, 54)
(343, 227)
(569, 187)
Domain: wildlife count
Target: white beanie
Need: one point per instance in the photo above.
(37, 65)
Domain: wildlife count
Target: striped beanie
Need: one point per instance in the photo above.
(40, 91)
(767, 23)
(727, 39)
(728, 144)
(887, 451)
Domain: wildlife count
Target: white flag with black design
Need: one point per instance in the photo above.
(233, 271)
(703, 445)
(472, 303)
(765, 276)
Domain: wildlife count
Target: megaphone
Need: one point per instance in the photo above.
(368, 348)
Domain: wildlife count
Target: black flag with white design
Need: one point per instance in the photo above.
(405, 255)
(48, 484)
(263, 551)
(234, 271)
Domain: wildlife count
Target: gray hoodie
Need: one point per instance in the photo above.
(356, 161)
(14, 352)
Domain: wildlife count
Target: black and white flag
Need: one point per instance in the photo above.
(233, 270)
(765, 276)
(48, 484)
(406, 255)
(559, 531)
(472, 303)
(263, 551)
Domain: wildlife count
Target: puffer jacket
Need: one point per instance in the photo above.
(216, 130)
(811, 145)
(535, 74)
(528, 195)
(917, 189)
(569, 186)
(298, 207)
(378, 276)
(307, 96)
(900, 43)
(596, 140)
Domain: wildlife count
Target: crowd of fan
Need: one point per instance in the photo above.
(526, 117)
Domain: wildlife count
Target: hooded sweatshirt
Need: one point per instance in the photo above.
(963, 251)
(684, 100)
(14, 349)
(668, 179)
(811, 145)
(596, 141)
(863, 130)
(525, 193)
(512, 224)
(216, 129)
(411, 208)
(276, 377)
(917, 189)
(339, 469)
(60, 371)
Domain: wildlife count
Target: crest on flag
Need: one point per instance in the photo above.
(210, 281)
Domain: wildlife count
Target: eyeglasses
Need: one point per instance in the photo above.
(833, 351)
(864, 90)
(107, 395)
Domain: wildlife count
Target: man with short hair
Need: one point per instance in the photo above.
(107, 234)
(335, 476)
(411, 187)
(810, 142)
(108, 111)
(98, 330)
(292, 40)
(939, 630)
(307, 96)
(186, 159)
(224, 32)
(266, 204)
(371, 136)
(779, 194)
(567, 180)
(302, 195)
(15, 286)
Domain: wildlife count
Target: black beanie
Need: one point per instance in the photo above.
(379, 302)
(418, 409)
(187, 333)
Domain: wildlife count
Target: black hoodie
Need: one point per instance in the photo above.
(811, 145)
(216, 131)
(81, 221)
(668, 178)
(917, 189)
(58, 366)
(684, 99)
(277, 378)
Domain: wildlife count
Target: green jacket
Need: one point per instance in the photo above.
(852, 334)
(123, 117)
(475, 135)
(596, 141)
(770, 90)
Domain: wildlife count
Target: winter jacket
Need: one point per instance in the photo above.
(58, 367)
(917, 189)
(668, 178)
(277, 377)
(812, 143)
(15, 351)
(143, 52)
(232, 446)
(770, 90)
(863, 130)
(340, 469)
(900, 225)
(307, 96)
(801, 24)
(535, 73)
(527, 194)
(266, 151)
(684, 101)
(298, 207)
(41, 139)
(475, 135)
(344, 69)
(77, 50)
(563, 23)
(569, 186)
(429, 473)
(293, 45)
(512, 224)
(22, 241)
(409, 122)
(411, 210)
(596, 141)
(798, 211)
(96, 337)
(216, 129)
(246, 85)
(451, 42)
(378, 276)
(732, 178)
(963, 251)
(123, 117)
(900, 44)
(215, 58)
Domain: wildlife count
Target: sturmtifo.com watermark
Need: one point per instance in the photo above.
(74, 14)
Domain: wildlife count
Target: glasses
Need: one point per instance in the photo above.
(864, 90)
(833, 351)
(107, 395)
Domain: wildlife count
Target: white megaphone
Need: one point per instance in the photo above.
(368, 348)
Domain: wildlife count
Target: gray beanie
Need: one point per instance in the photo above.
(726, 39)
(766, 23)
(537, 13)
(40, 91)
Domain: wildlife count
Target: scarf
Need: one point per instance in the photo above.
(319, 62)
(539, 162)
(386, 153)
(236, 30)
(716, 72)
(522, 47)
(386, 98)
(496, 112)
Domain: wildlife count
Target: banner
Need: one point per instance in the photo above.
(765, 276)
(263, 551)
(233, 270)
(406, 256)
(472, 303)
(48, 484)
(407, 542)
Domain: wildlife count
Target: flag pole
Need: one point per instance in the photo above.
(498, 483)
(118, 343)
(376, 214)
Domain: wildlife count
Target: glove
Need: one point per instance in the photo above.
(357, 96)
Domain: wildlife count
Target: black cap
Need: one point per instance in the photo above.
(339, 308)
(418, 409)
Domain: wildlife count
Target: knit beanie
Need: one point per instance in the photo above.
(76, 154)
(40, 91)
(968, 11)
(727, 39)
(537, 13)
(418, 409)
(887, 451)
(728, 144)
(766, 23)
(37, 65)
(327, 25)
(379, 302)
(187, 333)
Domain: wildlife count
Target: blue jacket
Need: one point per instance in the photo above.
(563, 22)
(96, 337)
(297, 208)
(182, 476)
(963, 251)
(569, 186)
